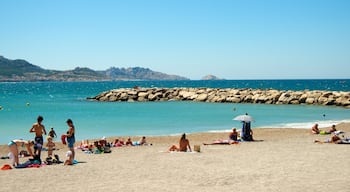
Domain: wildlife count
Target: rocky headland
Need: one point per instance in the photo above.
(268, 96)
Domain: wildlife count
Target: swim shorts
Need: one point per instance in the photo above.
(70, 141)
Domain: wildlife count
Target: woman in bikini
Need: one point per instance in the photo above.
(184, 145)
(13, 146)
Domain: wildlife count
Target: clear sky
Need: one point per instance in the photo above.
(232, 39)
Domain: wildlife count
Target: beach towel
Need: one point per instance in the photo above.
(24, 165)
(344, 142)
(63, 139)
(6, 167)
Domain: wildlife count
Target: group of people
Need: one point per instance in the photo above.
(103, 146)
(316, 130)
(233, 138)
(39, 129)
(335, 138)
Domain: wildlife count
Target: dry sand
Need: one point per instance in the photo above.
(286, 160)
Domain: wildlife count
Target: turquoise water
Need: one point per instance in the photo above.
(57, 101)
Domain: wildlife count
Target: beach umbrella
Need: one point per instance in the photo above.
(245, 118)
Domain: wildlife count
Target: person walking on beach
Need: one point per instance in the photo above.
(39, 129)
(184, 145)
(71, 140)
(52, 133)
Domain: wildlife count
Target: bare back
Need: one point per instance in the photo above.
(183, 144)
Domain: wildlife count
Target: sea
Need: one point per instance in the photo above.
(22, 102)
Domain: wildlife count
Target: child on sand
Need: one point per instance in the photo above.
(50, 146)
(69, 160)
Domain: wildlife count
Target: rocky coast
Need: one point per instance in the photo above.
(265, 96)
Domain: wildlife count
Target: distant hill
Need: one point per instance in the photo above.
(140, 73)
(18, 67)
(21, 70)
(210, 77)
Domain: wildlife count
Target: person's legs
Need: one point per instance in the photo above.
(39, 141)
(73, 153)
(173, 148)
(71, 142)
(14, 150)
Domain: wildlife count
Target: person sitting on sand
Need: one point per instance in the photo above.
(315, 129)
(184, 145)
(332, 129)
(13, 146)
(69, 160)
(233, 135)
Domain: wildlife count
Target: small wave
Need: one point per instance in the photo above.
(220, 131)
(306, 125)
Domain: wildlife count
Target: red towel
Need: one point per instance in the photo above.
(6, 167)
(63, 139)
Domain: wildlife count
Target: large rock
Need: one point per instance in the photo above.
(227, 95)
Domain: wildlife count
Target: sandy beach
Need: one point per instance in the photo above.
(285, 160)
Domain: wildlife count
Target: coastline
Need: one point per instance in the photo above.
(285, 160)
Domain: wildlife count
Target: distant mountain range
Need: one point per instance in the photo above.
(21, 70)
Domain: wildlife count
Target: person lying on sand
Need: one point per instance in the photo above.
(334, 139)
(184, 145)
(222, 142)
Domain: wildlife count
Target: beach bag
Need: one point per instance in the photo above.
(197, 148)
(107, 150)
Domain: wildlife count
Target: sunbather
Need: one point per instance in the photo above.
(184, 145)
(222, 142)
(334, 139)
(315, 129)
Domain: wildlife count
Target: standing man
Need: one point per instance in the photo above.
(39, 130)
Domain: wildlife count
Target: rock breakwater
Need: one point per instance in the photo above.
(266, 96)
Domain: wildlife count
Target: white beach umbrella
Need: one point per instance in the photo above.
(246, 118)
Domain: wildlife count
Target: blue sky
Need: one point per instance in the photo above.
(232, 39)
